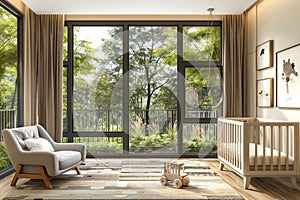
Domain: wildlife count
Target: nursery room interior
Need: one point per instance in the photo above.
(136, 99)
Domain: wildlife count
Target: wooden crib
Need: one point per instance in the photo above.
(255, 147)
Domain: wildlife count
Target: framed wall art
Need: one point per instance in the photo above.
(264, 55)
(265, 92)
(287, 76)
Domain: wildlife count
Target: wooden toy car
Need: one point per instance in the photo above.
(174, 172)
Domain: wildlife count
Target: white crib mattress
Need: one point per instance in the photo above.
(268, 156)
(233, 147)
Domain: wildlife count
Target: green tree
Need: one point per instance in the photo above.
(151, 55)
(205, 82)
(110, 71)
(8, 59)
(151, 59)
(84, 64)
(202, 43)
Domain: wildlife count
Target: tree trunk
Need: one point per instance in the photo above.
(148, 102)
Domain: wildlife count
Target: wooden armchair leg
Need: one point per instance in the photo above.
(77, 170)
(45, 177)
(16, 176)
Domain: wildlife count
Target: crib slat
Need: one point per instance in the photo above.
(234, 144)
(255, 144)
(239, 152)
(245, 138)
(287, 148)
(230, 142)
(226, 141)
(272, 147)
(264, 148)
(279, 148)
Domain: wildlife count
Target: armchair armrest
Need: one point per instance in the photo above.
(71, 147)
(47, 159)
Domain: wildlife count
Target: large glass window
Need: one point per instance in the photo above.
(142, 88)
(11, 109)
(8, 60)
(10, 65)
(203, 96)
(98, 61)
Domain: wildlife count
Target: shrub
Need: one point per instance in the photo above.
(4, 159)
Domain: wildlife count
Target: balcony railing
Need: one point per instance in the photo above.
(8, 119)
(197, 134)
(111, 120)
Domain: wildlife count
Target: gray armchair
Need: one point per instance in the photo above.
(31, 162)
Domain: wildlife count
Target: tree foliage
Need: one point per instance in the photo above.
(152, 76)
(202, 43)
(152, 66)
(8, 59)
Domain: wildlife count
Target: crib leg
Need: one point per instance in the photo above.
(221, 166)
(293, 181)
(247, 180)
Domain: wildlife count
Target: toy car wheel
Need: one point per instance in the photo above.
(185, 181)
(177, 183)
(163, 180)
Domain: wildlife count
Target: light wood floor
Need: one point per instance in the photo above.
(260, 188)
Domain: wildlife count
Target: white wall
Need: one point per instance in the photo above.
(276, 20)
(251, 86)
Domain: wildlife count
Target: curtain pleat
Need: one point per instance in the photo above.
(30, 70)
(45, 64)
(235, 63)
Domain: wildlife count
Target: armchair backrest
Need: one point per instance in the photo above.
(23, 133)
(14, 139)
(20, 134)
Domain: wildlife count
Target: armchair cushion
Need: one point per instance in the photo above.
(38, 144)
(24, 133)
(67, 158)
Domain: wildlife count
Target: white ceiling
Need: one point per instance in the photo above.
(138, 6)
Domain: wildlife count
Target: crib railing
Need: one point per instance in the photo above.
(230, 142)
(253, 146)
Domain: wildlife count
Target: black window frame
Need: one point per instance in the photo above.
(181, 66)
(20, 58)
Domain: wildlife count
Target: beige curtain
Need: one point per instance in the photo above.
(235, 63)
(44, 71)
(30, 70)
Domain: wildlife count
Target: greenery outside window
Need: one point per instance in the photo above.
(11, 59)
(128, 84)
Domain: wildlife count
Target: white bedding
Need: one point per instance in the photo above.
(234, 147)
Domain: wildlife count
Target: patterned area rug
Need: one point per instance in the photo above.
(128, 179)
